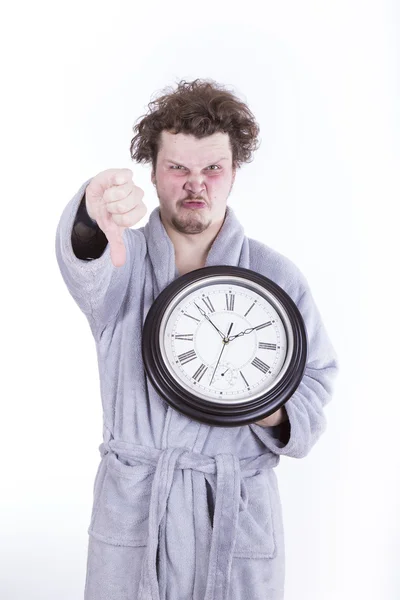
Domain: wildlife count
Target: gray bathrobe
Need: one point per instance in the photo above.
(184, 510)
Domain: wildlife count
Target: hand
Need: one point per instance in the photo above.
(232, 337)
(115, 203)
(203, 312)
(225, 341)
(276, 418)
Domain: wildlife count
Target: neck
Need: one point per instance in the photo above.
(191, 250)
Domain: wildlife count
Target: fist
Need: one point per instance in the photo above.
(115, 203)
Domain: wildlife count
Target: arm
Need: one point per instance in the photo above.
(97, 286)
(305, 408)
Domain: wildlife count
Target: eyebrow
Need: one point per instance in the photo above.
(212, 163)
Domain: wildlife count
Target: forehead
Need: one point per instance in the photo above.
(188, 149)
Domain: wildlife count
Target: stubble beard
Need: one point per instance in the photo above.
(192, 223)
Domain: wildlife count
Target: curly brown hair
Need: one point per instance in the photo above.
(200, 108)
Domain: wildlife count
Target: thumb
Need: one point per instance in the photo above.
(117, 246)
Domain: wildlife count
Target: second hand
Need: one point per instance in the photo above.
(225, 341)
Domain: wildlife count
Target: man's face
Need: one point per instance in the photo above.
(193, 179)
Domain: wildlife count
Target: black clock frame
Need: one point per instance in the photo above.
(222, 415)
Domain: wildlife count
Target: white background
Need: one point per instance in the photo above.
(322, 79)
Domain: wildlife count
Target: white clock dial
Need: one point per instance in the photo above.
(198, 352)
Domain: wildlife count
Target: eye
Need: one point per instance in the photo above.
(174, 167)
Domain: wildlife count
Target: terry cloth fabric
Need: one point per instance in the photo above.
(183, 510)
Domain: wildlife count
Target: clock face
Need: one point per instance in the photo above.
(225, 340)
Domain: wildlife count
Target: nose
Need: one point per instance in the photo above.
(194, 184)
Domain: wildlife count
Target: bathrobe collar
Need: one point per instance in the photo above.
(230, 247)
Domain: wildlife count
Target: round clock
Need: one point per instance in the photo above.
(224, 345)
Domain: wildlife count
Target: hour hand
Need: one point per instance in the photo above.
(232, 337)
(203, 312)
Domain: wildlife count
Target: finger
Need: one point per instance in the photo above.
(118, 193)
(121, 176)
(117, 247)
(123, 204)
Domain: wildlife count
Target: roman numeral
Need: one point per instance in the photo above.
(190, 316)
(263, 325)
(230, 301)
(265, 346)
(200, 372)
(187, 357)
(208, 303)
(249, 309)
(260, 365)
(184, 336)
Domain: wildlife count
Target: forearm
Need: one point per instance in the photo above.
(305, 408)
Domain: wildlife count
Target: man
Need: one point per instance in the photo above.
(163, 491)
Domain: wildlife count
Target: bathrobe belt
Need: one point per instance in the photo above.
(230, 498)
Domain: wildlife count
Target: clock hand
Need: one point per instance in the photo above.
(225, 341)
(223, 348)
(232, 337)
(208, 319)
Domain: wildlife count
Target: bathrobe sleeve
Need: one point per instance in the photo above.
(97, 286)
(88, 240)
(305, 408)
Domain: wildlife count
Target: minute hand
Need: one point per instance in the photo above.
(208, 319)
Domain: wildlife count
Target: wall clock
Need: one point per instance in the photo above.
(224, 345)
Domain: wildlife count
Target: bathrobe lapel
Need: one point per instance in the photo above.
(230, 247)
